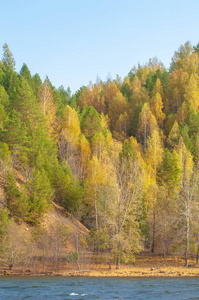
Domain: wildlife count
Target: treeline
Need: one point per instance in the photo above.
(121, 155)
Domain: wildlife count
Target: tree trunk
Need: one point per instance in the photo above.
(153, 241)
(187, 239)
(197, 257)
(118, 255)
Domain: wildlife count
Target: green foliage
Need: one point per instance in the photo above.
(196, 48)
(135, 119)
(36, 83)
(126, 91)
(40, 194)
(4, 222)
(17, 200)
(90, 122)
(10, 79)
(26, 73)
(127, 151)
(169, 173)
(190, 131)
(14, 134)
(5, 159)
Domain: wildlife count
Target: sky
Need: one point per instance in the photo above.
(74, 42)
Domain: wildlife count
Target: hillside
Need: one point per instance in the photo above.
(105, 173)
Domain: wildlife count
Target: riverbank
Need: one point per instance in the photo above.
(144, 267)
(122, 272)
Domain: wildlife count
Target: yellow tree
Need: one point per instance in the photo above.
(128, 189)
(147, 123)
(139, 94)
(98, 144)
(188, 195)
(192, 91)
(157, 88)
(98, 178)
(156, 108)
(85, 153)
(174, 135)
(182, 113)
(69, 138)
(153, 159)
(123, 124)
(93, 96)
(110, 90)
(179, 81)
(116, 108)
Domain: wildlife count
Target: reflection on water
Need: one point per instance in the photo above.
(98, 288)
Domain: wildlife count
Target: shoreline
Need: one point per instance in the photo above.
(123, 272)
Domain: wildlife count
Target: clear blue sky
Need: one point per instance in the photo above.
(73, 41)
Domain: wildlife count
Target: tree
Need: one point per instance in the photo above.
(128, 189)
(111, 90)
(93, 95)
(156, 108)
(14, 134)
(147, 123)
(90, 122)
(8, 66)
(192, 91)
(153, 159)
(116, 108)
(135, 119)
(180, 56)
(25, 102)
(69, 139)
(48, 107)
(85, 153)
(40, 195)
(17, 201)
(187, 195)
(25, 72)
(174, 135)
(36, 84)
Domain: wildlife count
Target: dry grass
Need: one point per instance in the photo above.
(145, 266)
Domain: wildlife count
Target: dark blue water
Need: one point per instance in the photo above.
(99, 288)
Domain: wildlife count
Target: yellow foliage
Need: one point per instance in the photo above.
(147, 123)
(85, 153)
(182, 113)
(154, 152)
(158, 88)
(71, 126)
(116, 108)
(111, 90)
(192, 91)
(123, 124)
(156, 108)
(186, 160)
(98, 144)
(173, 135)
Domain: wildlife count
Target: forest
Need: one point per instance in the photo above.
(120, 156)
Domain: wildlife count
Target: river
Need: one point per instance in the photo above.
(76, 288)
